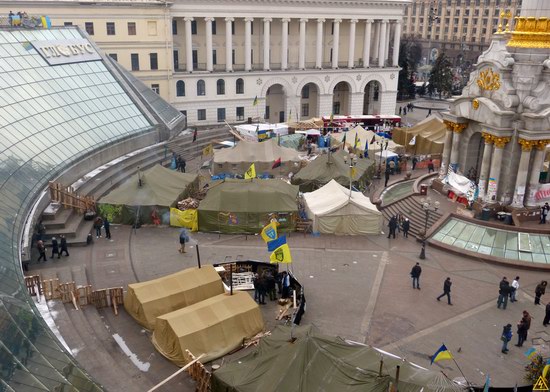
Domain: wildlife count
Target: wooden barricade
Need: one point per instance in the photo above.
(70, 199)
(117, 298)
(84, 295)
(99, 298)
(199, 373)
(50, 289)
(67, 292)
(103, 298)
(34, 287)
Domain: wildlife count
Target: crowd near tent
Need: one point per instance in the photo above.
(334, 210)
(334, 166)
(214, 327)
(246, 206)
(298, 359)
(428, 135)
(145, 301)
(365, 137)
(150, 193)
(238, 159)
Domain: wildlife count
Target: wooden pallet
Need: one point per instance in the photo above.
(50, 289)
(84, 295)
(34, 286)
(199, 373)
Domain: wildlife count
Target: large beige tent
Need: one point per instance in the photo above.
(147, 300)
(430, 136)
(333, 211)
(365, 136)
(213, 327)
(238, 159)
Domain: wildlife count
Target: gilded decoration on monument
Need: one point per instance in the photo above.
(498, 141)
(475, 104)
(455, 127)
(488, 80)
(530, 32)
(527, 145)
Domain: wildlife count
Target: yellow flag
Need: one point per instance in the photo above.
(250, 173)
(281, 255)
(208, 150)
(353, 172)
(188, 218)
(269, 232)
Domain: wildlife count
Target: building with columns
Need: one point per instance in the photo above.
(500, 125)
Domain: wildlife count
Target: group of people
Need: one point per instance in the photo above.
(99, 223)
(523, 327)
(408, 107)
(15, 19)
(265, 284)
(399, 223)
(58, 248)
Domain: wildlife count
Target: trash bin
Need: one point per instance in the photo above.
(508, 219)
(423, 189)
(485, 214)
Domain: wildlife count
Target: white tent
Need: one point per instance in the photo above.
(385, 154)
(333, 211)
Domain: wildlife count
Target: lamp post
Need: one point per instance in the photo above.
(427, 206)
(432, 17)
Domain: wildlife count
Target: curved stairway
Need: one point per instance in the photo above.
(411, 208)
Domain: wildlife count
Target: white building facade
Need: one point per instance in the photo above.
(301, 59)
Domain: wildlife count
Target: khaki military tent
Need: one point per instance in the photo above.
(333, 211)
(429, 133)
(246, 206)
(215, 327)
(147, 300)
(334, 166)
(160, 189)
(298, 359)
(365, 136)
(238, 159)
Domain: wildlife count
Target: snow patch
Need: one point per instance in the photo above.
(143, 366)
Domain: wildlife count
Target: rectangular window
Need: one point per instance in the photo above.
(233, 27)
(252, 56)
(176, 60)
(305, 92)
(305, 110)
(152, 28)
(154, 61)
(240, 113)
(214, 57)
(131, 28)
(233, 57)
(336, 108)
(194, 27)
(114, 56)
(266, 115)
(201, 114)
(332, 28)
(135, 61)
(252, 27)
(155, 88)
(111, 28)
(67, 23)
(195, 58)
(89, 26)
(174, 27)
(214, 27)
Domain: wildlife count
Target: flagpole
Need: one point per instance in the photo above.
(460, 370)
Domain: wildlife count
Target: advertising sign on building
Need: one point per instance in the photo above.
(66, 51)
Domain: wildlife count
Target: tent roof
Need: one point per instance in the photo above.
(365, 136)
(250, 152)
(334, 196)
(430, 134)
(160, 187)
(250, 196)
(314, 362)
(321, 171)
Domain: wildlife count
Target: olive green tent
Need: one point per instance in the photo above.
(429, 136)
(298, 359)
(334, 166)
(160, 189)
(246, 206)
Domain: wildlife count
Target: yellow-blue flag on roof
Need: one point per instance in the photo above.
(46, 22)
(250, 173)
(269, 232)
(281, 255)
(441, 354)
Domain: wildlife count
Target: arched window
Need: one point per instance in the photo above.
(240, 86)
(180, 88)
(220, 87)
(200, 87)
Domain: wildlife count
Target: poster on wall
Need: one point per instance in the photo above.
(492, 188)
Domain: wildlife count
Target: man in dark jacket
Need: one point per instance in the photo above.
(503, 292)
(55, 247)
(392, 225)
(415, 275)
(406, 227)
(63, 244)
(446, 290)
(546, 320)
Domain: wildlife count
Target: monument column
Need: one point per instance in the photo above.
(535, 172)
(457, 130)
(367, 43)
(319, 44)
(485, 164)
(351, 49)
(284, 44)
(496, 164)
(229, 44)
(188, 44)
(446, 151)
(523, 168)
(209, 61)
(248, 44)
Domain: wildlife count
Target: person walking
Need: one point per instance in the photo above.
(270, 285)
(98, 223)
(415, 275)
(63, 244)
(41, 250)
(513, 289)
(506, 337)
(286, 285)
(183, 165)
(184, 237)
(392, 226)
(406, 227)
(540, 290)
(430, 165)
(503, 292)
(446, 290)
(523, 328)
(414, 162)
(544, 213)
(387, 176)
(55, 247)
(546, 320)
(107, 227)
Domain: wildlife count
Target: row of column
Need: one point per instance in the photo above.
(380, 44)
(491, 164)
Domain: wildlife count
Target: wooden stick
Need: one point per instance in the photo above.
(176, 373)
(73, 298)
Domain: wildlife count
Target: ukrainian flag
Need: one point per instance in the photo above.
(269, 232)
(281, 255)
(530, 353)
(441, 354)
(250, 173)
(46, 22)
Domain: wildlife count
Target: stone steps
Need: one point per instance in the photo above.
(410, 207)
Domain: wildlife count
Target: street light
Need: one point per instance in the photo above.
(427, 206)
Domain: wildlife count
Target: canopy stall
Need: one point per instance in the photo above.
(334, 166)
(307, 124)
(366, 136)
(214, 327)
(238, 159)
(428, 135)
(149, 194)
(246, 206)
(334, 210)
(298, 359)
(147, 300)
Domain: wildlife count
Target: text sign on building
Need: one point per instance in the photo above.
(66, 51)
